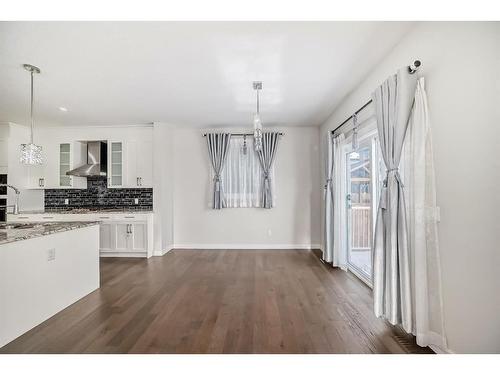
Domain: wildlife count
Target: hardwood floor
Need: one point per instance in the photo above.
(220, 301)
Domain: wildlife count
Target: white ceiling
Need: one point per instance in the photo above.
(186, 73)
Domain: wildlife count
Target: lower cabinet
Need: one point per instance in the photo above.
(127, 238)
(120, 235)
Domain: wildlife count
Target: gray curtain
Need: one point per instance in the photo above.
(393, 101)
(218, 145)
(266, 157)
(329, 199)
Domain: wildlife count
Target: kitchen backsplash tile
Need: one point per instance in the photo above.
(97, 195)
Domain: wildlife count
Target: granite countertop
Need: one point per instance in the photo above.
(12, 232)
(88, 211)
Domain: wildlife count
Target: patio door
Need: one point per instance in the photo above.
(362, 193)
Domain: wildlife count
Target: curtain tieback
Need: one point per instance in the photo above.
(217, 180)
(328, 183)
(266, 175)
(384, 196)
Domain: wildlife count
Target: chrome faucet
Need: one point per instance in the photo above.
(16, 204)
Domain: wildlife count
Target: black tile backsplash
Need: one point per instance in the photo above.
(97, 195)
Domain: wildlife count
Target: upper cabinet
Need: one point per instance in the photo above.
(57, 161)
(140, 164)
(130, 164)
(116, 152)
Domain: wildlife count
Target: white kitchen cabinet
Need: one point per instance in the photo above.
(116, 163)
(139, 164)
(57, 160)
(144, 162)
(139, 237)
(106, 237)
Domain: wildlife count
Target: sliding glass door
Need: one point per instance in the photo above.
(362, 187)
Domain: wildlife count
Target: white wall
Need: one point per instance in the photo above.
(13, 135)
(163, 187)
(293, 223)
(461, 67)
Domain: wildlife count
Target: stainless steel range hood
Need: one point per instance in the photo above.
(97, 161)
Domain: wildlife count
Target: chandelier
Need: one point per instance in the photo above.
(257, 124)
(31, 154)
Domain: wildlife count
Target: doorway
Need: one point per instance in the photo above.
(362, 187)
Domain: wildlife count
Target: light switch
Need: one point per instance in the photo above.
(66, 201)
(136, 200)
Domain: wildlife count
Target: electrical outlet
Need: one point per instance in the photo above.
(51, 255)
(66, 201)
(136, 200)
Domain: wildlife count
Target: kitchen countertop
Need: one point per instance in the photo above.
(9, 233)
(124, 210)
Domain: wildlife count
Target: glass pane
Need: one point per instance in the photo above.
(64, 147)
(116, 146)
(64, 181)
(116, 180)
(64, 158)
(116, 169)
(360, 209)
(64, 169)
(116, 157)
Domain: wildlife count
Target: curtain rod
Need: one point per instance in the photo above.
(411, 69)
(241, 134)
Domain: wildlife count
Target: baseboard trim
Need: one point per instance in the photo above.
(122, 255)
(244, 246)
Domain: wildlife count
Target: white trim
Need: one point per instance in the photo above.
(162, 252)
(439, 350)
(123, 254)
(245, 247)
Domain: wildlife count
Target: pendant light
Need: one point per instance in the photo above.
(31, 154)
(355, 144)
(257, 124)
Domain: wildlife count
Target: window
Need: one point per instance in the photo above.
(242, 175)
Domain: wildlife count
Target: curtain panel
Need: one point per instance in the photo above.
(328, 197)
(339, 254)
(218, 146)
(266, 157)
(393, 102)
(243, 176)
(417, 166)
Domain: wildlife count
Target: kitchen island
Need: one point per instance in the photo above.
(44, 268)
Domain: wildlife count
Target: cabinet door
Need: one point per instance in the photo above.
(64, 165)
(122, 233)
(36, 177)
(132, 165)
(106, 237)
(115, 164)
(139, 238)
(145, 163)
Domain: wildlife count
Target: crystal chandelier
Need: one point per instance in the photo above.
(31, 154)
(257, 124)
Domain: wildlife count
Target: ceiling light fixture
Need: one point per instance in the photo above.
(63, 109)
(31, 154)
(257, 124)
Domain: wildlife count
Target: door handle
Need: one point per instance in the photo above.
(137, 181)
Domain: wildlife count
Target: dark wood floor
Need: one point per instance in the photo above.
(217, 301)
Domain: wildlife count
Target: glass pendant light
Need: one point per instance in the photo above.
(355, 143)
(31, 154)
(257, 124)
